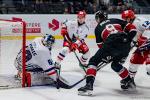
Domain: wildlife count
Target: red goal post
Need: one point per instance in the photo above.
(23, 37)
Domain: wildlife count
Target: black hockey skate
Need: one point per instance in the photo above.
(128, 85)
(86, 90)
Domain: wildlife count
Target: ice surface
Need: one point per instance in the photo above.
(106, 87)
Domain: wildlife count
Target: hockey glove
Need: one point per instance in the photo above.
(74, 46)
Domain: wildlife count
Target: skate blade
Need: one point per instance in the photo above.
(87, 93)
(133, 89)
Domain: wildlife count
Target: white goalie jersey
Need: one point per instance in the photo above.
(37, 56)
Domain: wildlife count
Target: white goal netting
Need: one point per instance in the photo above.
(11, 41)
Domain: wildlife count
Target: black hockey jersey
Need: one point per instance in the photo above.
(113, 26)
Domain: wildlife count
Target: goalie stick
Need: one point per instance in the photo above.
(57, 77)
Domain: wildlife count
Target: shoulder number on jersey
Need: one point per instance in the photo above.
(50, 61)
(111, 29)
(146, 24)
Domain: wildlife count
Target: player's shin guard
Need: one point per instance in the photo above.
(62, 54)
(88, 88)
(133, 70)
(83, 62)
(84, 59)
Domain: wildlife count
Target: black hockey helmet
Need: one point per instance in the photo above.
(48, 40)
(101, 15)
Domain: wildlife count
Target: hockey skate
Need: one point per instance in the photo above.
(87, 90)
(128, 85)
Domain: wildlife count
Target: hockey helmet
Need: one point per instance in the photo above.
(48, 40)
(81, 14)
(102, 15)
(128, 14)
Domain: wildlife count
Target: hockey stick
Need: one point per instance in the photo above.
(57, 77)
(70, 41)
(100, 66)
(79, 61)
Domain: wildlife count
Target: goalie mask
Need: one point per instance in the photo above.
(48, 40)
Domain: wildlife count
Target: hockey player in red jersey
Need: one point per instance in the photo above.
(113, 37)
(141, 54)
(74, 33)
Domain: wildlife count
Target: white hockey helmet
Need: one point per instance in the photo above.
(48, 40)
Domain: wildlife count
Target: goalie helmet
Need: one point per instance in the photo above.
(48, 40)
(101, 16)
(128, 14)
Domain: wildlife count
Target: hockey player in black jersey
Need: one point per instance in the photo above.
(113, 37)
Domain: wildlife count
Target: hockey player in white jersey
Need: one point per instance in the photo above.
(74, 33)
(141, 54)
(39, 63)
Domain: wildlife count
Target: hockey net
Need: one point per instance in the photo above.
(12, 39)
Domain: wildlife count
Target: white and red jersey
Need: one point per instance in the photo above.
(37, 54)
(143, 28)
(75, 30)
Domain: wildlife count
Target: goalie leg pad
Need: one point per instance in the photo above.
(28, 79)
(41, 78)
(36, 79)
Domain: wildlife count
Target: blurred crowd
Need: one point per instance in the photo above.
(65, 6)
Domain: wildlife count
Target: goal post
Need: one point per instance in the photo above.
(12, 39)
